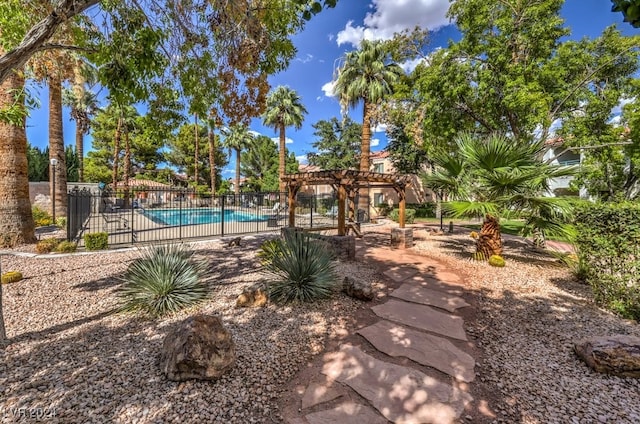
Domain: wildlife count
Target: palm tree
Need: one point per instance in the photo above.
(56, 144)
(487, 176)
(16, 221)
(83, 104)
(366, 75)
(237, 138)
(284, 109)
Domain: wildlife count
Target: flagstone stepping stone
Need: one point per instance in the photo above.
(317, 393)
(420, 294)
(400, 273)
(422, 317)
(347, 413)
(435, 284)
(402, 394)
(426, 349)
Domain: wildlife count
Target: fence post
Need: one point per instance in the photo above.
(133, 239)
(224, 197)
(182, 194)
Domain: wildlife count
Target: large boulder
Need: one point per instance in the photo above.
(357, 289)
(617, 355)
(198, 348)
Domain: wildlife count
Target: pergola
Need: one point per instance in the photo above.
(346, 183)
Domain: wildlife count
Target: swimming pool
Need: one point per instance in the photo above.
(200, 216)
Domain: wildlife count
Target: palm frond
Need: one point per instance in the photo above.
(460, 209)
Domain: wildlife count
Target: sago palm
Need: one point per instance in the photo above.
(284, 109)
(237, 138)
(486, 176)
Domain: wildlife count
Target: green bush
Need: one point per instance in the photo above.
(268, 250)
(41, 217)
(164, 280)
(61, 222)
(66, 247)
(47, 245)
(11, 277)
(301, 269)
(423, 210)
(409, 215)
(497, 260)
(607, 238)
(96, 241)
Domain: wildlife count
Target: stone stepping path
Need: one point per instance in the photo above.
(426, 349)
(422, 317)
(417, 322)
(421, 294)
(401, 394)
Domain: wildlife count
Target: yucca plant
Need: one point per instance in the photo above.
(302, 270)
(164, 280)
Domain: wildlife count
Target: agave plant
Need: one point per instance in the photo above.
(164, 280)
(302, 270)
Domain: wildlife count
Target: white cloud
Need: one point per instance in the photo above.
(287, 140)
(254, 133)
(379, 128)
(411, 64)
(392, 16)
(306, 59)
(302, 159)
(228, 171)
(331, 37)
(375, 142)
(329, 89)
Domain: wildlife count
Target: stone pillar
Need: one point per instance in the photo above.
(401, 238)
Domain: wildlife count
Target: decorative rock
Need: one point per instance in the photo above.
(254, 296)
(401, 273)
(357, 289)
(401, 238)
(401, 394)
(199, 348)
(616, 355)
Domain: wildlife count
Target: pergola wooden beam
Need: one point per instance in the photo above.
(346, 182)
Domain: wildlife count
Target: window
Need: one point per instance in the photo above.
(378, 167)
(378, 199)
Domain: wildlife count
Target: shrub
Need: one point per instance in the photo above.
(47, 245)
(607, 240)
(11, 277)
(268, 250)
(497, 260)
(61, 222)
(423, 210)
(66, 247)
(41, 217)
(302, 269)
(409, 215)
(164, 280)
(96, 241)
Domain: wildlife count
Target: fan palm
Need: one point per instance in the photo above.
(366, 75)
(486, 176)
(237, 138)
(284, 109)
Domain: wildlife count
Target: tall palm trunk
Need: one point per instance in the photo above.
(237, 187)
(281, 162)
(16, 221)
(490, 239)
(365, 154)
(116, 153)
(196, 159)
(56, 146)
(78, 88)
(212, 162)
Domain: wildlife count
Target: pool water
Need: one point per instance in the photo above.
(200, 216)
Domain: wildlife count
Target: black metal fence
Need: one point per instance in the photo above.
(143, 216)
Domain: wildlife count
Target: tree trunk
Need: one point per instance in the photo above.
(281, 163)
(78, 88)
(365, 154)
(16, 221)
(539, 239)
(56, 146)
(490, 239)
(212, 161)
(116, 153)
(196, 159)
(3, 332)
(237, 187)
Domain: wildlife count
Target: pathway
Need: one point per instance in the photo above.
(420, 321)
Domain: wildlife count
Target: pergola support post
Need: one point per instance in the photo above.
(342, 198)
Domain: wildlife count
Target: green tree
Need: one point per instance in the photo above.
(490, 175)
(406, 156)
(260, 165)
(630, 10)
(38, 163)
(337, 144)
(237, 138)
(284, 109)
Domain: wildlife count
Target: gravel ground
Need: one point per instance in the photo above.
(530, 314)
(73, 360)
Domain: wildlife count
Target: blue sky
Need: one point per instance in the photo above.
(332, 33)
